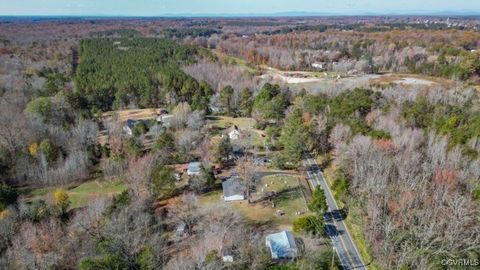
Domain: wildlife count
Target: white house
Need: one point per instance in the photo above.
(193, 168)
(165, 120)
(317, 65)
(282, 245)
(234, 134)
(233, 189)
(128, 127)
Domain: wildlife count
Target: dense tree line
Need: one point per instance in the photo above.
(140, 71)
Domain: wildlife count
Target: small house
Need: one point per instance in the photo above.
(180, 229)
(165, 120)
(282, 245)
(194, 168)
(318, 66)
(234, 134)
(233, 189)
(128, 127)
(228, 254)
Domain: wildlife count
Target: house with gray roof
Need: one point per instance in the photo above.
(233, 189)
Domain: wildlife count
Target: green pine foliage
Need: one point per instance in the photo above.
(270, 103)
(318, 203)
(312, 224)
(144, 71)
(293, 138)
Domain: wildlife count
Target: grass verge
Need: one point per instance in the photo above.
(354, 228)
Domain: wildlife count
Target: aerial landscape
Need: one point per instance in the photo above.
(276, 135)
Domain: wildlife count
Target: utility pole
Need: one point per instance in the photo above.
(333, 255)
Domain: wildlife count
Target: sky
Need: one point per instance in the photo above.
(205, 7)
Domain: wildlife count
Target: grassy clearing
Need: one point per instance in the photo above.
(80, 195)
(226, 122)
(236, 61)
(134, 114)
(244, 123)
(289, 200)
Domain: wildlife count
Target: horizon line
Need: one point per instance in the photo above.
(273, 14)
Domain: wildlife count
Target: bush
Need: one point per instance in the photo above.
(312, 224)
(119, 201)
(476, 194)
(318, 203)
(145, 259)
(133, 147)
(340, 185)
(162, 180)
(8, 195)
(62, 201)
(139, 129)
(41, 107)
(50, 150)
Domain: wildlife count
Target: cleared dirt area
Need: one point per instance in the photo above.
(411, 80)
(314, 81)
(134, 114)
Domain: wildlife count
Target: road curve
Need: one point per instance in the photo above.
(337, 230)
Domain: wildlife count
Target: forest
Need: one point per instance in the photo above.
(117, 73)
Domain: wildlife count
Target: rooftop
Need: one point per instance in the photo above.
(282, 245)
(232, 186)
(194, 166)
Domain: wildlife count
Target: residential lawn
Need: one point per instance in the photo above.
(226, 122)
(211, 197)
(82, 194)
(244, 123)
(289, 200)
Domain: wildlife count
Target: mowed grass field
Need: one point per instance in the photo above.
(243, 123)
(289, 200)
(80, 195)
(227, 122)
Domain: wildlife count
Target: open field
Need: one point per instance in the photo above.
(314, 81)
(243, 123)
(410, 80)
(227, 122)
(134, 114)
(288, 199)
(80, 195)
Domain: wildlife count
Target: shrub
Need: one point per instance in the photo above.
(8, 195)
(309, 224)
(49, 150)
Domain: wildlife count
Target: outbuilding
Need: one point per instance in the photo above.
(194, 168)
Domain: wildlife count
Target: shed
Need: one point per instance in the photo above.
(194, 168)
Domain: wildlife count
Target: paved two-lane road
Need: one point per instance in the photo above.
(335, 227)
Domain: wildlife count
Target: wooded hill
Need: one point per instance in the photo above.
(140, 71)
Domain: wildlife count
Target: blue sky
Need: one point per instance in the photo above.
(161, 7)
